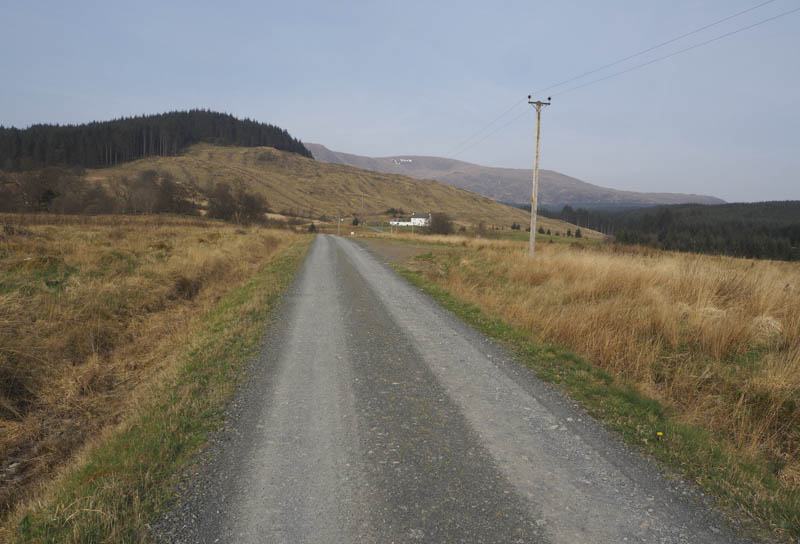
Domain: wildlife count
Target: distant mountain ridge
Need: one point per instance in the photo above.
(510, 185)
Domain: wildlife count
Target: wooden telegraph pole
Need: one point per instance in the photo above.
(361, 218)
(538, 104)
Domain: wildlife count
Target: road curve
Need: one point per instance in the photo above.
(373, 415)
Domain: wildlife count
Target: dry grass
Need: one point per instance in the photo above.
(91, 309)
(715, 339)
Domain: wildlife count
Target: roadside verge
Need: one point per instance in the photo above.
(126, 478)
(747, 490)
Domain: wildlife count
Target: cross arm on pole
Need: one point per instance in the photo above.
(539, 103)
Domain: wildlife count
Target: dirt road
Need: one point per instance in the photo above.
(372, 415)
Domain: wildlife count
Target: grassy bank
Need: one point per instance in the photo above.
(123, 342)
(704, 350)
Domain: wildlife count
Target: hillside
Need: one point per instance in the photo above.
(507, 184)
(295, 185)
(109, 143)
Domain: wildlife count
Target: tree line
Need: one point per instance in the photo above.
(107, 143)
(759, 230)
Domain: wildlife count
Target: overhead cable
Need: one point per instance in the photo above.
(652, 48)
(695, 46)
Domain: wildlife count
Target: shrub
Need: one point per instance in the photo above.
(236, 205)
(440, 224)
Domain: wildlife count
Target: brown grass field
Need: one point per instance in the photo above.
(716, 340)
(92, 308)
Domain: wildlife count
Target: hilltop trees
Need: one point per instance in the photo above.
(107, 143)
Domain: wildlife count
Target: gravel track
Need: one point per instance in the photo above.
(373, 415)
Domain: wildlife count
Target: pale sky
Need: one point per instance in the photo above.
(390, 78)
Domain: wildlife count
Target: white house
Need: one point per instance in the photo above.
(416, 220)
(421, 219)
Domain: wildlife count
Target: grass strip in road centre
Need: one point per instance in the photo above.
(124, 482)
(698, 454)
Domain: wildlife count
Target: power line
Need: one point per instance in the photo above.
(462, 147)
(653, 61)
(642, 65)
(498, 129)
(506, 112)
(456, 150)
(653, 48)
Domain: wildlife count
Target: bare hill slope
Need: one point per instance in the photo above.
(314, 189)
(506, 184)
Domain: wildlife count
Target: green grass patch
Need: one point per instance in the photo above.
(698, 454)
(128, 480)
(524, 236)
(46, 276)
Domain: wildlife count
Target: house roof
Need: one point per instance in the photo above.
(420, 216)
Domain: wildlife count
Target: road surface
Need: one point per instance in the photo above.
(373, 415)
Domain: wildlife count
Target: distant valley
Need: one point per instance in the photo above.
(510, 185)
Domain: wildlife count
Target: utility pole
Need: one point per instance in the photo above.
(538, 104)
(361, 218)
(339, 223)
